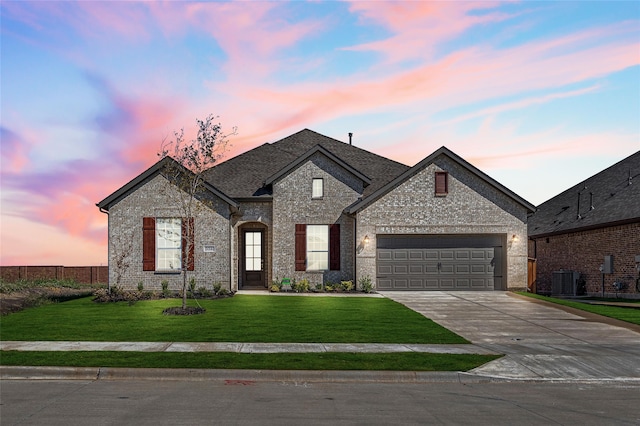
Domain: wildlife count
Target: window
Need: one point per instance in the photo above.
(168, 243)
(442, 183)
(165, 244)
(253, 251)
(317, 188)
(317, 247)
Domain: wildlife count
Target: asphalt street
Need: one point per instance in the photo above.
(242, 402)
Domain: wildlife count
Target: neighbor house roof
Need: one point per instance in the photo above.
(425, 163)
(245, 175)
(149, 174)
(608, 198)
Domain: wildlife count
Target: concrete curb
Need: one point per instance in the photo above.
(251, 377)
(232, 377)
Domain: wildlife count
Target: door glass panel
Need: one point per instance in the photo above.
(253, 251)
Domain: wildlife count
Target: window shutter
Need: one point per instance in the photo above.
(148, 243)
(186, 243)
(301, 247)
(334, 247)
(441, 183)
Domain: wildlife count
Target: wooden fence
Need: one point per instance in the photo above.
(80, 274)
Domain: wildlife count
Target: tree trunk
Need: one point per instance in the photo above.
(184, 288)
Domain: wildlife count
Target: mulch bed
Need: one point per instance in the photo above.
(189, 310)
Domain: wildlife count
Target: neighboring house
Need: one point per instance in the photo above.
(309, 206)
(575, 230)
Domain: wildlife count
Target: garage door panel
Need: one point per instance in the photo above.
(385, 254)
(385, 269)
(416, 255)
(416, 269)
(400, 255)
(400, 269)
(416, 284)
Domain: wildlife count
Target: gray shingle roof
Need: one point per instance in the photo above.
(243, 176)
(614, 197)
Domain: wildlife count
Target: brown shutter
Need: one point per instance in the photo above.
(188, 240)
(334, 247)
(148, 243)
(301, 247)
(441, 183)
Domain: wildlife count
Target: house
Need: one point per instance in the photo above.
(312, 207)
(587, 238)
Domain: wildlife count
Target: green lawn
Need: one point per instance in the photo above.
(631, 315)
(410, 361)
(240, 318)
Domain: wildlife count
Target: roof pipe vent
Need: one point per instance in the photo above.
(350, 136)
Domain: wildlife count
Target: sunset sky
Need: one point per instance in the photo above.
(539, 95)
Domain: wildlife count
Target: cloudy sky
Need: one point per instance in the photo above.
(539, 95)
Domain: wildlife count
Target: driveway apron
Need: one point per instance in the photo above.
(540, 342)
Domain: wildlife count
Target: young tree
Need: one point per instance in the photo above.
(184, 167)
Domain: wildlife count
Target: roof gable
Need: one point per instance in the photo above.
(607, 198)
(243, 176)
(304, 157)
(428, 161)
(149, 174)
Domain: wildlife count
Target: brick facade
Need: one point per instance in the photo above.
(583, 252)
(154, 199)
(293, 205)
(471, 207)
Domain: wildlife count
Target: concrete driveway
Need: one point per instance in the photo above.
(540, 341)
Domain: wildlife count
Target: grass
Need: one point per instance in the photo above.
(410, 361)
(241, 318)
(631, 315)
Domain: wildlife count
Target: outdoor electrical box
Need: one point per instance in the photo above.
(608, 265)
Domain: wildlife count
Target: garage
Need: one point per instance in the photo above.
(442, 262)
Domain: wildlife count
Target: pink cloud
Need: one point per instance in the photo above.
(418, 27)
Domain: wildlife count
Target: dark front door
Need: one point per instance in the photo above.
(253, 258)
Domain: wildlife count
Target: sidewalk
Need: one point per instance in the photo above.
(248, 348)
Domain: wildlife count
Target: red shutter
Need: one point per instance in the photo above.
(301, 247)
(148, 243)
(188, 240)
(441, 183)
(334, 247)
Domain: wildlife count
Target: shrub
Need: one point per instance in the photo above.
(274, 288)
(365, 284)
(165, 288)
(301, 286)
(329, 286)
(140, 286)
(276, 283)
(217, 288)
(204, 292)
(347, 285)
(192, 285)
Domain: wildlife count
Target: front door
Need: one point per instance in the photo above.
(253, 258)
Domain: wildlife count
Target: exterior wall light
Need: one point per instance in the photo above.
(514, 238)
(366, 240)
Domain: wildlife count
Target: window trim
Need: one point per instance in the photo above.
(437, 192)
(313, 195)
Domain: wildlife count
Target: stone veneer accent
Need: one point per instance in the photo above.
(293, 205)
(152, 200)
(470, 207)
